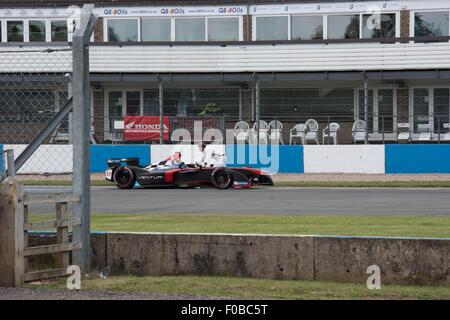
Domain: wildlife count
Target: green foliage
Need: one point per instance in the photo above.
(211, 108)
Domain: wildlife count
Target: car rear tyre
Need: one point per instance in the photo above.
(222, 178)
(124, 178)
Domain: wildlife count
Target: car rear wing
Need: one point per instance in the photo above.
(117, 162)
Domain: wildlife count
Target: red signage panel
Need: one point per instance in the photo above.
(144, 128)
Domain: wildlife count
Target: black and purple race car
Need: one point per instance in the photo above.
(127, 174)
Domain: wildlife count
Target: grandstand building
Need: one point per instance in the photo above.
(384, 62)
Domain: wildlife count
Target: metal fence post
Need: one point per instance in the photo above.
(10, 162)
(257, 111)
(240, 104)
(439, 129)
(81, 132)
(161, 113)
(366, 108)
(69, 95)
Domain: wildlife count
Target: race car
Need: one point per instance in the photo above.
(128, 173)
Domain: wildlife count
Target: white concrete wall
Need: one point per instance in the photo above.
(317, 158)
(47, 158)
(344, 159)
(189, 153)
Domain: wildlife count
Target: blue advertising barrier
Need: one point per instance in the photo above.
(101, 153)
(285, 159)
(433, 158)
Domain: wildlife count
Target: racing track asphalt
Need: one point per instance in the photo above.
(271, 200)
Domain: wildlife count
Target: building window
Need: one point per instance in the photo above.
(15, 31)
(386, 110)
(362, 108)
(190, 29)
(306, 27)
(200, 101)
(37, 31)
(431, 24)
(122, 30)
(385, 29)
(133, 103)
(115, 104)
(59, 30)
(155, 29)
(441, 108)
(151, 102)
(308, 102)
(35, 104)
(421, 101)
(223, 29)
(343, 27)
(271, 28)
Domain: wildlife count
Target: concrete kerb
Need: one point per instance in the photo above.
(403, 261)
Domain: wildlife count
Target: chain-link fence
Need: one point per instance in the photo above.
(325, 112)
(345, 112)
(34, 84)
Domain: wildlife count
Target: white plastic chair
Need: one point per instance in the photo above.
(263, 132)
(276, 128)
(313, 128)
(298, 131)
(241, 132)
(359, 130)
(405, 134)
(447, 135)
(331, 132)
(424, 131)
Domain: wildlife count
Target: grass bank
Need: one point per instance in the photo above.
(245, 288)
(436, 227)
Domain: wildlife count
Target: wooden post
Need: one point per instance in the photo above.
(25, 236)
(11, 234)
(62, 233)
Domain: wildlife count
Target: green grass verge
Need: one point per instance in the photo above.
(358, 184)
(95, 183)
(436, 227)
(327, 184)
(245, 288)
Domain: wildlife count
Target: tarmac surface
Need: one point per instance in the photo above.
(269, 200)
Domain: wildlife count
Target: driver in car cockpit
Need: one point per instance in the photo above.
(174, 161)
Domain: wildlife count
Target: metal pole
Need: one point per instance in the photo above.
(161, 113)
(253, 104)
(69, 95)
(439, 129)
(81, 132)
(10, 161)
(240, 104)
(366, 108)
(257, 109)
(328, 126)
